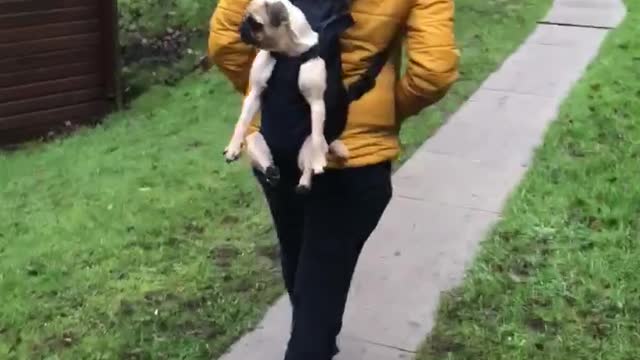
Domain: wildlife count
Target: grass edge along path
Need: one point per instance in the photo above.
(557, 278)
(131, 241)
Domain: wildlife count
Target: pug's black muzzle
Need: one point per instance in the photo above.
(247, 28)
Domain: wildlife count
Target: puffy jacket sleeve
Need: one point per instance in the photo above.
(432, 56)
(226, 50)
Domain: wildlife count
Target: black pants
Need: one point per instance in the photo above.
(321, 235)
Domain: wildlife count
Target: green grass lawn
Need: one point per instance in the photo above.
(135, 240)
(559, 276)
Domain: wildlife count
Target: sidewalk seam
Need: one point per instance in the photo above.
(565, 24)
(470, 208)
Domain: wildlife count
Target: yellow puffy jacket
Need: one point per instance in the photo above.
(371, 135)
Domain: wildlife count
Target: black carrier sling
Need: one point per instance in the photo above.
(286, 115)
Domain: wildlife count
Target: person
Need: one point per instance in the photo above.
(322, 234)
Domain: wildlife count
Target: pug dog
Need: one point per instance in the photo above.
(279, 26)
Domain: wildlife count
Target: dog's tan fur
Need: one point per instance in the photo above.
(284, 28)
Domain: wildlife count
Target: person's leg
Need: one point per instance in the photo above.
(342, 210)
(287, 211)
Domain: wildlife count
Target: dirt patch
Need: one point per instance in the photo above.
(598, 327)
(536, 324)
(224, 255)
(269, 251)
(229, 220)
(542, 326)
(55, 344)
(440, 346)
(193, 228)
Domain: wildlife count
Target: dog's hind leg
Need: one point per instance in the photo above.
(313, 83)
(260, 155)
(304, 163)
(261, 70)
(304, 185)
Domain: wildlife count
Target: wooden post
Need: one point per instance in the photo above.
(112, 66)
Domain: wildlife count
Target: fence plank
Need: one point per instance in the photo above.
(33, 62)
(43, 46)
(49, 73)
(49, 87)
(50, 102)
(12, 21)
(48, 31)
(23, 6)
(54, 116)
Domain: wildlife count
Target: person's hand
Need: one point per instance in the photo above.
(203, 64)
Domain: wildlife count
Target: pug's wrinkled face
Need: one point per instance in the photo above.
(266, 26)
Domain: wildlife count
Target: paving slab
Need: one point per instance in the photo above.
(474, 185)
(268, 341)
(600, 13)
(419, 250)
(547, 70)
(450, 193)
(356, 349)
(499, 127)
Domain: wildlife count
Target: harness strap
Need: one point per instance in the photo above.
(332, 28)
(335, 25)
(367, 80)
(313, 52)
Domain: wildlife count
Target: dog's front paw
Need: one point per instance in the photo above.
(303, 189)
(232, 152)
(272, 174)
(318, 163)
(319, 151)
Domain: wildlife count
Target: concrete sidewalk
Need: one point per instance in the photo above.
(450, 193)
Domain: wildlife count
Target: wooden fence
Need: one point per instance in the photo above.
(57, 65)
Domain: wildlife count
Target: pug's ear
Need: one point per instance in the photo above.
(277, 13)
